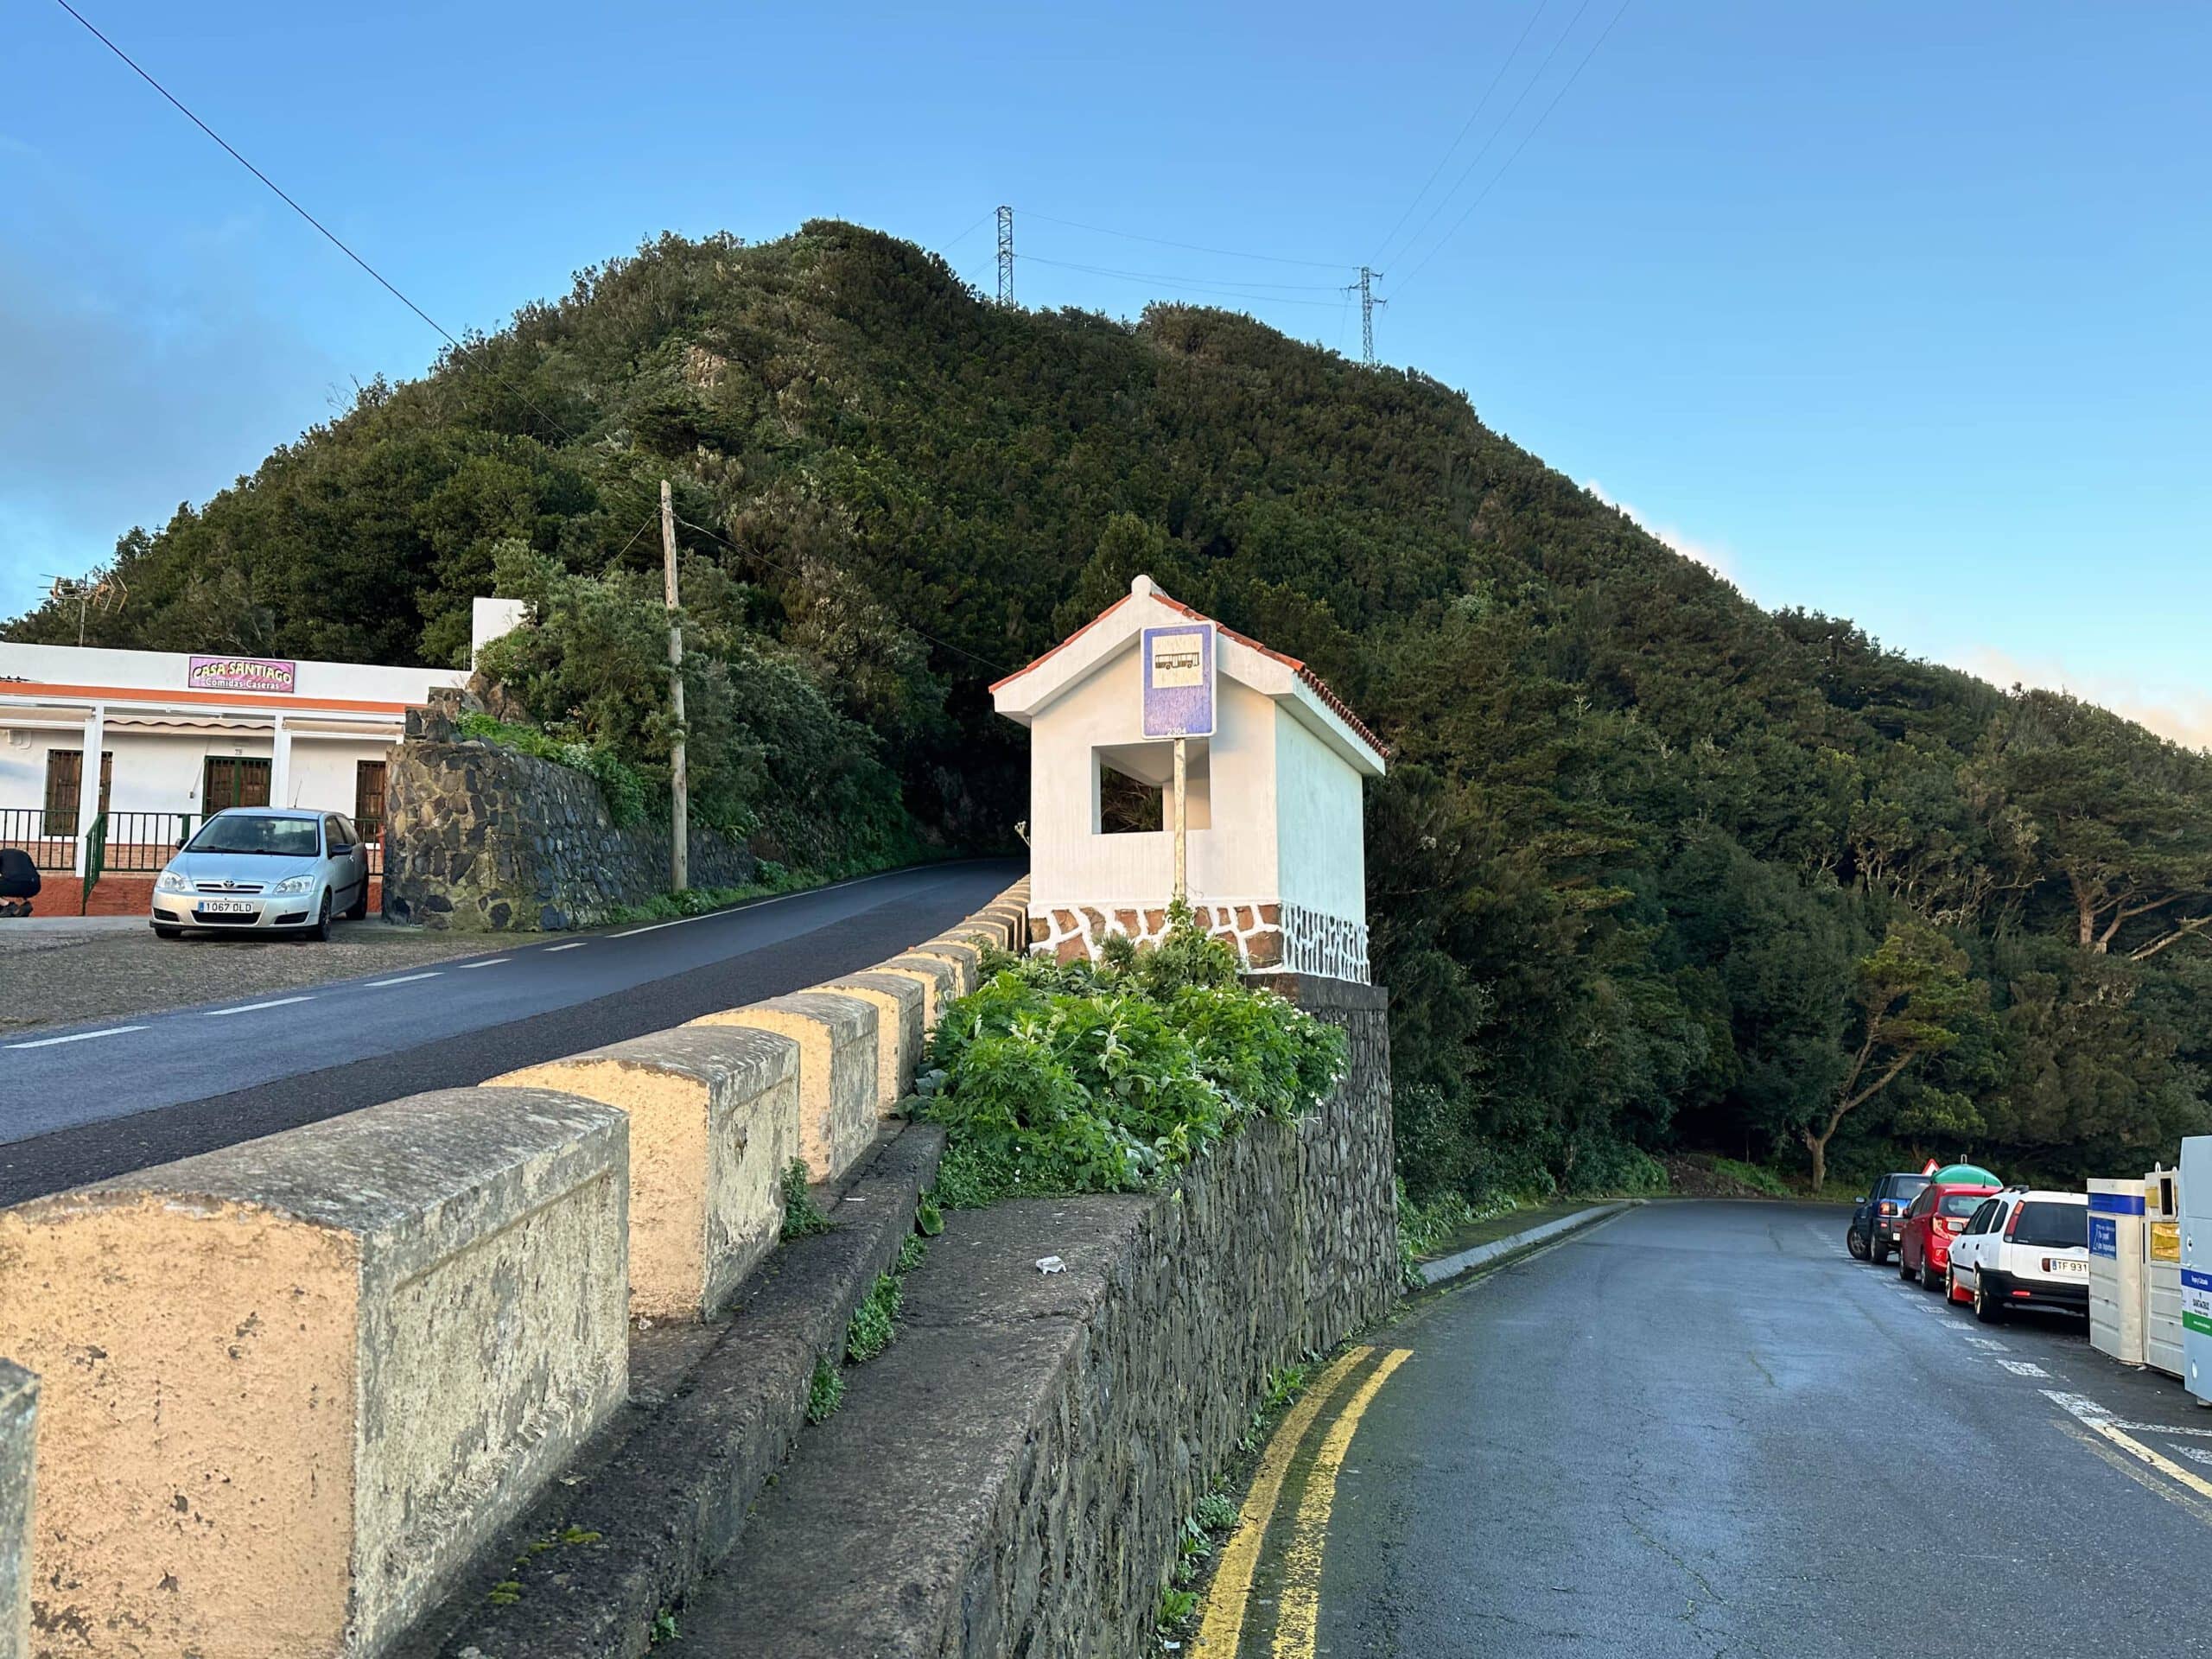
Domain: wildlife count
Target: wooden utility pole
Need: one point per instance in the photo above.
(679, 780)
(1182, 824)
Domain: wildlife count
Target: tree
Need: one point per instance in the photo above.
(2118, 817)
(1912, 999)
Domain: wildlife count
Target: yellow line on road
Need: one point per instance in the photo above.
(1299, 1613)
(2164, 1465)
(1222, 1628)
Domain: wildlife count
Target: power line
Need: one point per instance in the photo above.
(390, 287)
(1236, 283)
(330, 235)
(1518, 148)
(1475, 114)
(1196, 285)
(1495, 132)
(1193, 247)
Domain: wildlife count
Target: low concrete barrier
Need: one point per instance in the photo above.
(713, 1120)
(1011, 921)
(18, 1422)
(965, 958)
(289, 1386)
(938, 978)
(898, 1000)
(836, 1041)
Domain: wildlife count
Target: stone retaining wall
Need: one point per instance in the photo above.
(18, 1423)
(1010, 1476)
(485, 839)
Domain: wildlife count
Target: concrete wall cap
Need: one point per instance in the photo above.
(372, 1171)
(847, 1017)
(744, 1058)
(899, 985)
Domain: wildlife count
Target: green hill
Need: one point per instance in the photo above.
(1655, 869)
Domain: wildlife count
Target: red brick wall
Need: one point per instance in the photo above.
(127, 895)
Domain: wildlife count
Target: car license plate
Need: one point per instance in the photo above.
(228, 906)
(2064, 1266)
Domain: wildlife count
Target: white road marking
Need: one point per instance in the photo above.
(255, 1007)
(405, 979)
(1987, 1345)
(2078, 1405)
(573, 945)
(2089, 1411)
(2023, 1368)
(76, 1036)
(2194, 1453)
(758, 904)
(489, 961)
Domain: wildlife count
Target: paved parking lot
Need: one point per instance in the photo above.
(64, 970)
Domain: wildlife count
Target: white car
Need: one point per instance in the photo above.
(2023, 1248)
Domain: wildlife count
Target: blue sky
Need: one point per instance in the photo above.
(1896, 310)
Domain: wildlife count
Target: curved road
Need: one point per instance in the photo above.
(1700, 1428)
(79, 1104)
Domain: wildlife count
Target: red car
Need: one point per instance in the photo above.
(1931, 1221)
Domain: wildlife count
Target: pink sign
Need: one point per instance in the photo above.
(240, 674)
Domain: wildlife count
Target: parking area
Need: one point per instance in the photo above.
(65, 970)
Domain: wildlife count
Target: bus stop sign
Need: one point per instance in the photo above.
(1178, 680)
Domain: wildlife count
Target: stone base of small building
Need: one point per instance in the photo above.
(1266, 937)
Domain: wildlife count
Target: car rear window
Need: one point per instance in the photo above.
(2052, 1226)
(1903, 1187)
(1962, 1204)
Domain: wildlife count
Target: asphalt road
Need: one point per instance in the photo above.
(1701, 1429)
(83, 1102)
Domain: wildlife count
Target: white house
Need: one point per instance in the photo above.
(1277, 851)
(181, 735)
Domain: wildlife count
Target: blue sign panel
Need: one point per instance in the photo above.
(2116, 1204)
(1177, 668)
(2104, 1236)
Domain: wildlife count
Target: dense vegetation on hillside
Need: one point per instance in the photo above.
(1654, 868)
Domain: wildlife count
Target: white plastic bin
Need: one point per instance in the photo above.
(2196, 1265)
(2162, 1271)
(2116, 1263)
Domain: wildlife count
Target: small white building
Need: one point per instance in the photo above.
(1276, 857)
(181, 735)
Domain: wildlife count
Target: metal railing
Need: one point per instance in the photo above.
(49, 837)
(138, 844)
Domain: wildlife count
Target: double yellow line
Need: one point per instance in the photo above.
(1221, 1633)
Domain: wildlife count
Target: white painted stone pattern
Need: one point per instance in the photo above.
(1330, 946)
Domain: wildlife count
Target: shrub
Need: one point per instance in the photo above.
(619, 783)
(1057, 1077)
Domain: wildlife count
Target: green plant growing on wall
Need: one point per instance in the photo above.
(1055, 1077)
(875, 1322)
(803, 1217)
(825, 1392)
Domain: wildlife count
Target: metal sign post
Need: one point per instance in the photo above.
(1179, 702)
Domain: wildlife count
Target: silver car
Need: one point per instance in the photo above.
(265, 869)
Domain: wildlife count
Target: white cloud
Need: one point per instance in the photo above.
(2184, 714)
(1712, 558)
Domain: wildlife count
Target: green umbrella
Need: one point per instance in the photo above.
(1965, 1175)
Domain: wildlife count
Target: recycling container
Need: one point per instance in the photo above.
(2196, 1265)
(2116, 1263)
(2162, 1346)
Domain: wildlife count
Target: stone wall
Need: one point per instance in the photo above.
(488, 840)
(1267, 938)
(1010, 1476)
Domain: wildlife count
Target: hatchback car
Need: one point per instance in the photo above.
(264, 870)
(2023, 1248)
(1874, 1225)
(1932, 1220)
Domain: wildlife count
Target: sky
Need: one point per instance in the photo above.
(1896, 311)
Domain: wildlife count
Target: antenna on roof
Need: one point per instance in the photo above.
(101, 590)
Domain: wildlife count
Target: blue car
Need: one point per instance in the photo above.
(1874, 1224)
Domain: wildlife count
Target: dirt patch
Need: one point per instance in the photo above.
(1693, 1175)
